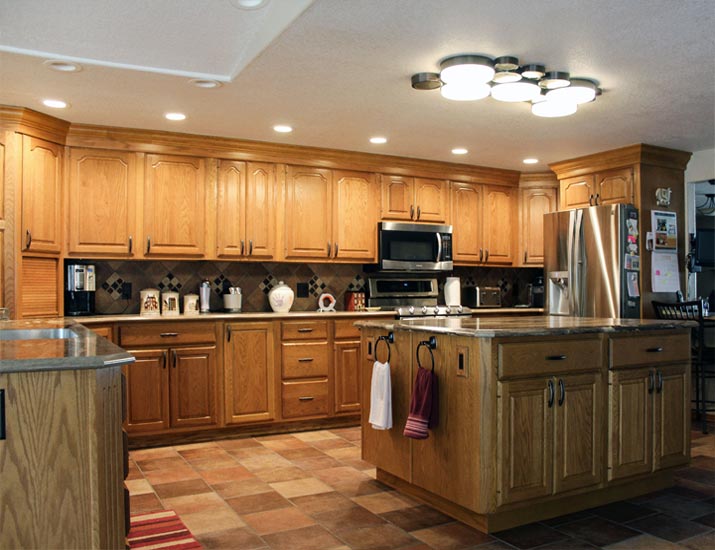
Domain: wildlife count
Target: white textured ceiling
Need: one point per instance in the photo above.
(339, 71)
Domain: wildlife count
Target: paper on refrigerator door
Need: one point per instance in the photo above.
(664, 272)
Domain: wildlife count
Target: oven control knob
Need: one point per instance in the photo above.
(411, 310)
(448, 310)
(460, 309)
(436, 310)
(424, 310)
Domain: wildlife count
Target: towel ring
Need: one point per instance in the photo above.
(430, 345)
(389, 339)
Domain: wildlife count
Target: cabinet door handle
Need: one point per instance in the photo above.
(524, 256)
(336, 251)
(306, 398)
(250, 247)
(305, 330)
(412, 211)
(555, 357)
(168, 334)
(228, 333)
(305, 359)
(3, 433)
(651, 382)
(486, 254)
(659, 387)
(328, 249)
(562, 392)
(550, 385)
(164, 359)
(148, 245)
(28, 239)
(596, 199)
(131, 244)
(481, 254)
(654, 350)
(242, 247)
(173, 358)
(590, 200)
(419, 212)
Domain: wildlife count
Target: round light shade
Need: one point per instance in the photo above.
(175, 116)
(553, 109)
(378, 140)
(523, 90)
(580, 91)
(426, 81)
(554, 79)
(54, 103)
(502, 77)
(506, 63)
(62, 66)
(459, 151)
(205, 83)
(459, 92)
(533, 71)
(467, 69)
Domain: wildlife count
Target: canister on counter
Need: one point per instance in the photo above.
(169, 303)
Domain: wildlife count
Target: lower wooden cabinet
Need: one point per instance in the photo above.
(147, 391)
(346, 377)
(305, 398)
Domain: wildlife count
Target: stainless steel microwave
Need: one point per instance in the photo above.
(414, 247)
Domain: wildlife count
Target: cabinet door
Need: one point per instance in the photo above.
(499, 224)
(672, 416)
(525, 434)
(576, 192)
(250, 392)
(346, 377)
(147, 391)
(466, 210)
(398, 197)
(174, 206)
(630, 423)
(102, 202)
(259, 210)
(578, 431)
(614, 186)
(355, 216)
(431, 200)
(534, 204)
(308, 217)
(230, 211)
(193, 386)
(41, 195)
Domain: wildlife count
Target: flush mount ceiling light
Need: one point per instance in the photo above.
(470, 77)
(62, 66)
(249, 4)
(55, 103)
(530, 161)
(283, 128)
(378, 140)
(175, 116)
(205, 83)
(459, 151)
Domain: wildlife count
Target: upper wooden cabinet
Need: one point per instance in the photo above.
(601, 188)
(102, 203)
(330, 214)
(416, 199)
(537, 196)
(174, 206)
(245, 216)
(41, 196)
(484, 223)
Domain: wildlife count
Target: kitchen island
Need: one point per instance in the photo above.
(62, 454)
(536, 417)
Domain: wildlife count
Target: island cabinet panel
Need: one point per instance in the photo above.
(346, 377)
(672, 416)
(147, 391)
(250, 391)
(193, 386)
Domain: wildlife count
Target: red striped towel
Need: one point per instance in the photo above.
(421, 403)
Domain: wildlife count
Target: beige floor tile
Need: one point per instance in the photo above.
(301, 487)
(159, 452)
(138, 486)
(190, 504)
(285, 444)
(241, 488)
(313, 537)
(169, 476)
(323, 502)
(348, 453)
(282, 474)
(339, 474)
(379, 503)
(314, 436)
(274, 521)
(213, 519)
(268, 462)
(242, 538)
(644, 542)
(222, 475)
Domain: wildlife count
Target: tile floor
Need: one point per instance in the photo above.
(312, 491)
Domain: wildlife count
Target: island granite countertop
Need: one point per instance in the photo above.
(23, 348)
(537, 325)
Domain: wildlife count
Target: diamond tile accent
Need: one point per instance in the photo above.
(113, 286)
(170, 282)
(267, 284)
(357, 284)
(220, 284)
(316, 286)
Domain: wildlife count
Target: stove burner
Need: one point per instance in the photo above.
(433, 311)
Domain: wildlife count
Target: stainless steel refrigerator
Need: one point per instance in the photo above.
(592, 262)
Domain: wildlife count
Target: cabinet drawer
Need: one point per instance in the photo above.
(305, 360)
(304, 330)
(528, 358)
(166, 334)
(646, 350)
(304, 398)
(345, 328)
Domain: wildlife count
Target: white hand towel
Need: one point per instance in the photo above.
(381, 397)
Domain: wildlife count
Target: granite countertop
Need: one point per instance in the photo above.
(537, 325)
(85, 350)
(269, 315)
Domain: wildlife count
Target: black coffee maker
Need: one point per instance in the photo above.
(536, 293)
(79, 289)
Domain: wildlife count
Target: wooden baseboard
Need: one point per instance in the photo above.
(530, 511)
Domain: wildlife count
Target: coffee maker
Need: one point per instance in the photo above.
(79, 289)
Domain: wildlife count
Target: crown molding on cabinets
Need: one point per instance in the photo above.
(33, 123)
(542, 180)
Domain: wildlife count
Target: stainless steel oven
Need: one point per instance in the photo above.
(414, 247)
(410, 297)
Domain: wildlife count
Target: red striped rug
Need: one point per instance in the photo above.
(160, 530)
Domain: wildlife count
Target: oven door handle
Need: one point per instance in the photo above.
(439, 247)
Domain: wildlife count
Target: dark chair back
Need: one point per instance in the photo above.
(692, 311)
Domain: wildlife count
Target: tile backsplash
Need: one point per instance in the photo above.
(256, 280)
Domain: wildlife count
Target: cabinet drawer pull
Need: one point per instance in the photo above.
(562, 392)
(654, 350)
(168, 334)
(131, 244)
(305, 330)
(306, 398)
(2, 414)
(305, 360)
(550, 385)
(555, 357)
(651, 382)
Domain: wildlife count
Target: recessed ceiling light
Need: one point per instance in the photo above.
(459, 151)
(175, 116)
(62, 66)
(54, 103)
(530, 161)
(378, 140)
(249, 4)
(283, 128)
(205, 83)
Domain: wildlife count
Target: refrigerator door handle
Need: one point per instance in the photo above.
(577, 282)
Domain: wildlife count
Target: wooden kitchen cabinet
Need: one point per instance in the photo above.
(499, 224)
(249, 373)
(346, 367)
(466, 205)
(41, 230)
(245, 218)
(174, 206)
(607, 187)
(576, 192)
(147, 391)
(193, 387)
(415, 199)
(533, 204)
(355, 207)
(102, 203)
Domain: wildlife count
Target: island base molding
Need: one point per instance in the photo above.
(530, 512)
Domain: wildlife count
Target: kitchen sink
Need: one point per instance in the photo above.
(37, 334)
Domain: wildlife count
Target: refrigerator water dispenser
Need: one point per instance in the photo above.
(558, 293)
